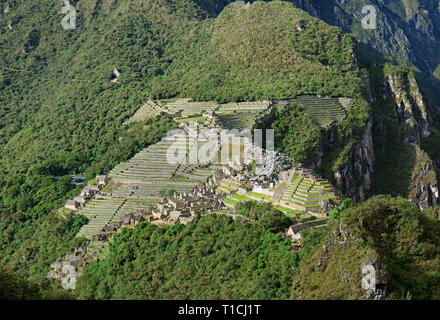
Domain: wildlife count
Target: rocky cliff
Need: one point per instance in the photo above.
(406, 30)
(424, 184)
(403, 118)
(414, 122)
(355, 177)
(371, 254)
(410, 111)
(401, 108)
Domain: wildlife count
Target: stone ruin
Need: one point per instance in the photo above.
(70, 267)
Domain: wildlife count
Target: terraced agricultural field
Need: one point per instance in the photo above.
(152, 189)
(239, 120)
(307, 193)
(146, 166)
(323, 111)
(238, 115)
(132, 205)
(230, 202)
(102, 212)
(149, 173)
(99, 213)
(185, 108)
(255, 106)
(144, 112)
(141, 181)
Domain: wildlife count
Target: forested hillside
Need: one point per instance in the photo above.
(61, 114)
(213, 257)
(400, 240)
(406, 31)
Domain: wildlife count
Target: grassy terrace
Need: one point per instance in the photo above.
(307, 193)
(288, 211)
(234, 198)
(102, 212)
(144, 112)
(240, 197)
(99, 213)
(230, 202)
(192, 119)
(322, 110)
(152, 189)
(185, 108)
(260, 196)
(231, 115)
(242, 120)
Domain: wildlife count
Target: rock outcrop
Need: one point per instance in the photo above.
(411, 115)
(375, 279)
(355, 177)
(69, 268)
(424, 185)
(404, 35)
(410, 110)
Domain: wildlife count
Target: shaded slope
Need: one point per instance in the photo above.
(392, 231)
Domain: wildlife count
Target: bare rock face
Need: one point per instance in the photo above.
(410, 114)
(69, 268)
(375, 279)
(408, 34)
(410, 109)
(424, 193)
(355, 177)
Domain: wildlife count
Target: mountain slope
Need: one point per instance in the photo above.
(241, 59)
(407, 31)
(61, 114)
(393, 236)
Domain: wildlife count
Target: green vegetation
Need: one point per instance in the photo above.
(214, 257)
(431, 146)
(394, 167)
(295, 133)
(299, 134)
(192, 119)
(260, 196)
(399, 165)
(266, 214)
(189, 262)
(33, 235)
(308, 193)
(61, 115)
(405, 239)
(324, 111)
(319, 59)
(241, 197)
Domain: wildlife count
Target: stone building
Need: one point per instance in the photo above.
(80, 199)
(102, 180)
(72, 205)
(87, 193)
(293, 232)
